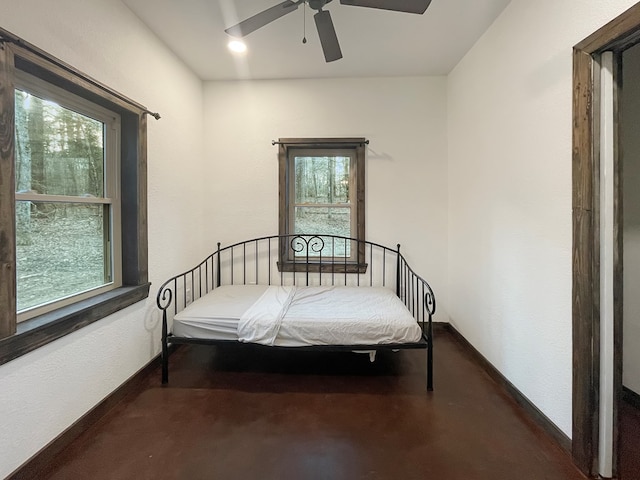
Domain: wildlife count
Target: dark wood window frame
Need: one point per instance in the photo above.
(285, 145)
(18, 339)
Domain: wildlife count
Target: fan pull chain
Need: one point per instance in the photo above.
(304, 23)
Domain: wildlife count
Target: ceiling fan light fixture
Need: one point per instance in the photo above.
(237, 46)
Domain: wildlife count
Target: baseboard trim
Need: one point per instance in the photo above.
(631, 397)
(37, 464)
(440, 327)
(532, 411)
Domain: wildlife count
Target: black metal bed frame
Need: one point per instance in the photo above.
(301, 260)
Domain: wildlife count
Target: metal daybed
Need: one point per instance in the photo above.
(301, 292)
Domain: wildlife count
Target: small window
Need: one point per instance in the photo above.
(67, 204)
(322, 193)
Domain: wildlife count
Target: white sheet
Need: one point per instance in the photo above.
(300, 316)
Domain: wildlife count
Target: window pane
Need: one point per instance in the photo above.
(322, 179)
(332, 221)
(60, 251)
(58, 151)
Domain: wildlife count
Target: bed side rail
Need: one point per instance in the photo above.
(419, 298)
(417, 295)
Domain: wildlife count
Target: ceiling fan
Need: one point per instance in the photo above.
(324, 24)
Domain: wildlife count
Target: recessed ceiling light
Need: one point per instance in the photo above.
(237, 46)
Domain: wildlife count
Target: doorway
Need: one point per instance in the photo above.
(598, 244)
(629, 139)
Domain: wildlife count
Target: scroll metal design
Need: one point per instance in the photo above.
(165, 297)
(306, 243)
(430, 302)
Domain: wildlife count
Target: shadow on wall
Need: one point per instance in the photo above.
(152, 321)
(373, 155)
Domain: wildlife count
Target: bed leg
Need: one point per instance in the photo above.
(165, 364)
(430, 358)
(429, 369)
(165, 350)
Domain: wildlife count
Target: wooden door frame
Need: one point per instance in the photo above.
(618, 35)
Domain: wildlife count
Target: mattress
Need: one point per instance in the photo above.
(299, 316)
(215, 316)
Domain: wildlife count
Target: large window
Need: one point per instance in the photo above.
(322, 193)
(67, 204)
(73, 237)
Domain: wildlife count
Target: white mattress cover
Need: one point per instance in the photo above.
(215, 316)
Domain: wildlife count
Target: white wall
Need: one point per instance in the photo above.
(509, 118)
(630, 150)
(406, 171)
(44, 392)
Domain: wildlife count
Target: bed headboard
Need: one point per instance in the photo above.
(301, 260)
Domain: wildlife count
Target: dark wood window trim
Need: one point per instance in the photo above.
(358, 144)
(18, 339)
(618, 35)
(36, 332)
(7, 189)
(311, 267)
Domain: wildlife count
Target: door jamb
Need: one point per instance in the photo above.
(618, 35)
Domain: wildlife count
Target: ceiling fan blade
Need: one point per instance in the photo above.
(261, 19)
(328, 37)
(407, 6)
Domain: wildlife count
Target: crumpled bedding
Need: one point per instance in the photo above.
(328, 315)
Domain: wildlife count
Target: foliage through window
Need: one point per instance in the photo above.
(322, 193)
(67, 209)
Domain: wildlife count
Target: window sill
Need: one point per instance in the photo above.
(46, 328)
(311, 267)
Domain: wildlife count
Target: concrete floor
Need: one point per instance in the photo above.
(254, 413)
(629, 442)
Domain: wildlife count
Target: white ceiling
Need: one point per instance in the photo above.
(374, 42)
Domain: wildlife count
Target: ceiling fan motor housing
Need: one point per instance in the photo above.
(317, 4)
